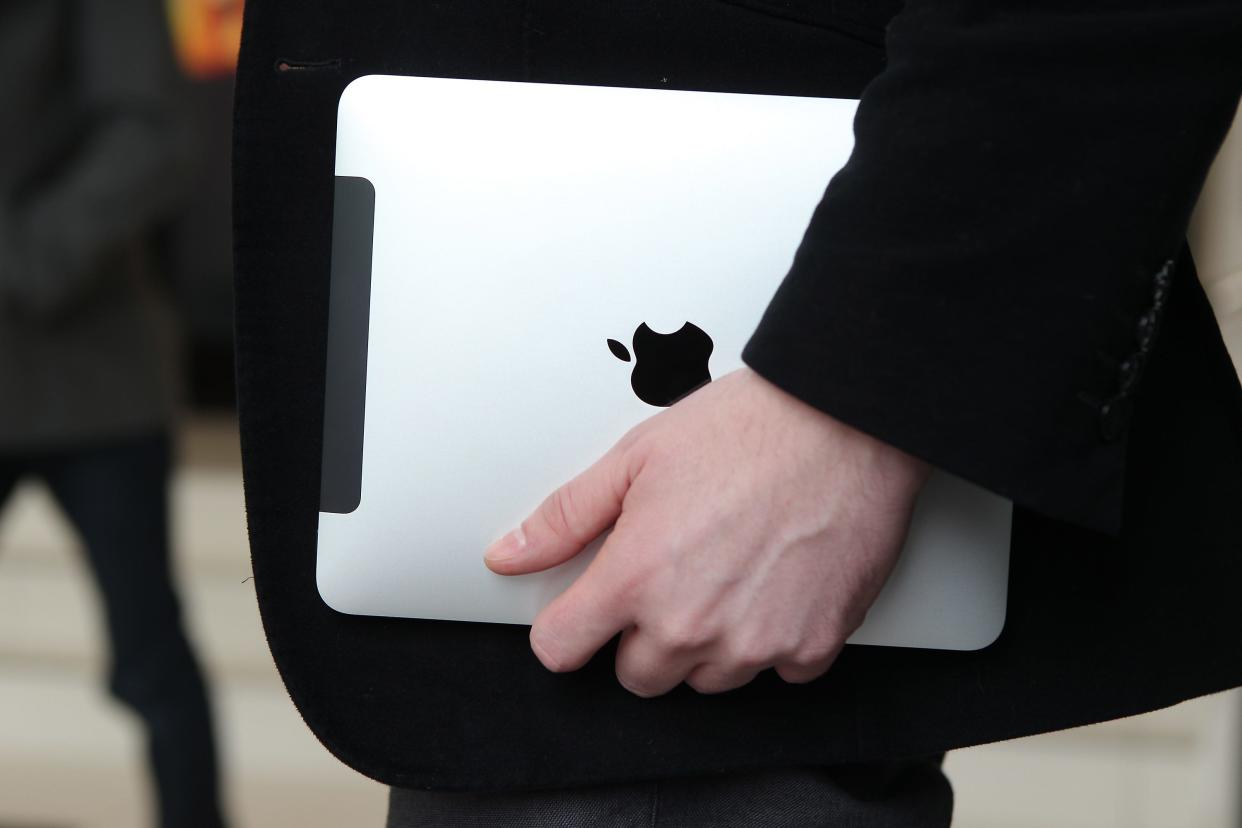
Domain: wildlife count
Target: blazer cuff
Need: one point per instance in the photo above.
(948, 394)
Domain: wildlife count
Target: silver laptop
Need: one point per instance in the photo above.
(518, 272)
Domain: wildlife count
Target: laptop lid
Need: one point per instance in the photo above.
(518, 271)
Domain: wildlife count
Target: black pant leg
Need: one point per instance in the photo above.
(116, 495)
(10, 473)
(616, 805)
(913, 794)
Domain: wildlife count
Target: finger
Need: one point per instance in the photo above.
(713, 678)
(806, 668)
(585, 617)
(647, 667)
(569, 519)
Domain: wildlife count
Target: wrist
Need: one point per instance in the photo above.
(898, 470)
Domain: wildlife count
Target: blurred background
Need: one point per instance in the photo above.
(71, 752)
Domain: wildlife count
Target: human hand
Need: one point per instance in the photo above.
(751, 531)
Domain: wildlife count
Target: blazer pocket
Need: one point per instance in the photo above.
(861, 19)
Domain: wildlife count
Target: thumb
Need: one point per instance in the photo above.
(569, 519)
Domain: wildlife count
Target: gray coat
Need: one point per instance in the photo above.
(92, 156)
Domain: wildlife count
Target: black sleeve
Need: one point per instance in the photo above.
(128, 169)
(981, 283)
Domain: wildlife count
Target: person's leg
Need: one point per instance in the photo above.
(618, 805)
(116, 495)
(10, 473)
(879, 795)
(883, 795)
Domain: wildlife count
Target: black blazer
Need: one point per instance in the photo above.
(996, 282)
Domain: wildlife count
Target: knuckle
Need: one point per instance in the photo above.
(812, 658)
(751, 653)
(683, 635)
(798, 675)
(807, 662)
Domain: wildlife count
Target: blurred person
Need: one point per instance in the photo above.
(93, 156)
(1216, 236)
(996, 284)
(206, 34)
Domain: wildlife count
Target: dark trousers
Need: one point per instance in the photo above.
(884, 795)
(116, 496)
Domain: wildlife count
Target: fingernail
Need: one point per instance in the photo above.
(510, 546)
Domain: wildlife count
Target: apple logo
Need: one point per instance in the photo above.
(667, 367)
